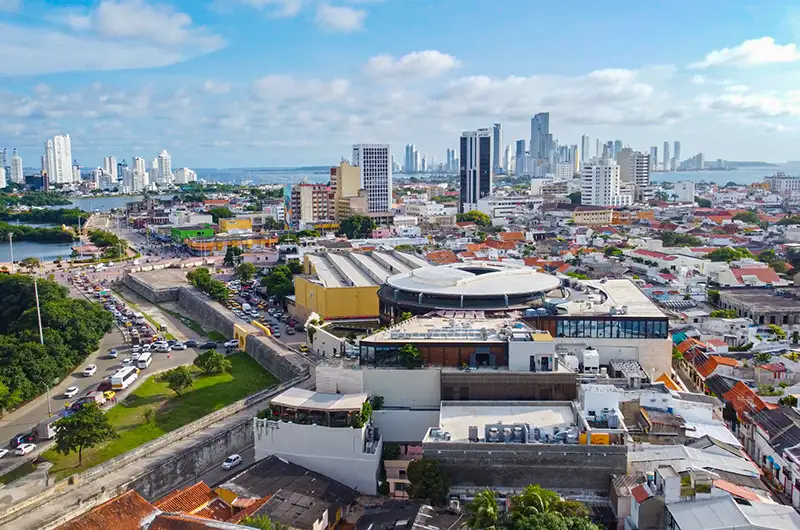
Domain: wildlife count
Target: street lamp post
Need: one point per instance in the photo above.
(11, 250)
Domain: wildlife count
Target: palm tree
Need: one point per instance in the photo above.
(484, 512)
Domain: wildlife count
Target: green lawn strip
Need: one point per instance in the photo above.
(216, 336)
(188, 322)
(25, 469)
(209, 393)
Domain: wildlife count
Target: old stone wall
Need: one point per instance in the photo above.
(208, 313)
(262, 350)
(148, 292)
(553, 466)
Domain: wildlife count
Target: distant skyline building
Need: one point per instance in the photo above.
(597, 151)
(184, 175)
(520, 158)
(408, 159)
(374, 162)
(634, 168)
(164, 164)
(617, 147)
(600, 184)
(585, 149)
(476, 174)
(3, 182)
(110, 166)
(497, 145)
(58, 159)
(141, 179)
(653, 157)
(665, 164)
(676, 153)
(540, 136)
(16, 175)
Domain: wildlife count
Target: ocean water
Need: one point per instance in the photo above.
(739, 176)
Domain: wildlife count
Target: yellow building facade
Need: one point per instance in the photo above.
(334, 303)
(227, 225)
(592, 217)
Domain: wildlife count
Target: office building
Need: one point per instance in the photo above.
(634, 168)
(348, 197)
(520, 157)
(617, 146)
(600, 184)
(597, 151)
(540, 136)
(408, 161)
(507, 160)
(497, 145)
(164, 168)
(665, 156)
(184, 175)
(376, 174)
(16, 175)
(585, 154)
(476, 168)
(653, 158)
(677, 153)
(310, 203)
(450, 164)
(684, 191)
(783, 183)
(140, 176)
(58, 160)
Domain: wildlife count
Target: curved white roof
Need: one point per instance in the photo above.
(457, 279)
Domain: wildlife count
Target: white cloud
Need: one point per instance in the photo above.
(125, 34)
(339, 19)
(216, 87)
(10, 6)
(415, 65)
(280, 88)
(698, 80)
(276, 8)
(754, 52)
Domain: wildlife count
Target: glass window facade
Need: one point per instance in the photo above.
(612, 328)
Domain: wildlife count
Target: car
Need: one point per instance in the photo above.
(3, 452)
(299, 327)
(160, 343)
(163, 348)
(289, 331)
(109, 394)
(190, 343)
(284, 318)
(71, 392)
(179, 346)
(172, 342)
(24, 449)
(233, 343)
(90, 370)
(104, 385)
(276, 333)
(112, 354)
(135, 356)
(231, 462)
(208, 345)
(146, 347)
(136, 348)
(127, 361)
(303, 348)
(20, 439)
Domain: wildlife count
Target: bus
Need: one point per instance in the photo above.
(124, 377)
(138, 318)
(144, 360)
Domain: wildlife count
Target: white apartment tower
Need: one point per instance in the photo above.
(476, 172)
(3, 182)
(164, 164)
(17, 176)
(110, 167)
(184, 175)
(634, 169)
(684, 191)
(140, 178)
(585, 154)
(374, 163)
(600, 184)
(666, 156)
(58, 160)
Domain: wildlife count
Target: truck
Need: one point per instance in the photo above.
(46, 430)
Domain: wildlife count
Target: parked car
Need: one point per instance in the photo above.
(233, 343)
(172, 342)
(190, 343)
(179, 346)
(127, 361)
(135, 356)
(20, 439)
(276, 333)
(208, 345)
(146, 347)
(289, 331)
(303, 348)
(299, 327)
(231, 462)
(112, 354)
(90, 370)
(71, 392)
(109, 394)
(24, 449)
(3, 452)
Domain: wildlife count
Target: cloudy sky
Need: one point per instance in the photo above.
(243, 83)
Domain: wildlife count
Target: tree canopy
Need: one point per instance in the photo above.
(279, 281)
(87, 427)
(178, 379)
(201, 278)
(246, 271)
(220, 212)
(474, 216)
(212, 362)
(357, 227)
(673, 239)
(575, 197)
(729, 254)
(428, 481)
(702, 203)
(747, 217)
(112, 245)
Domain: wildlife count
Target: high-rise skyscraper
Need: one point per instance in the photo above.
(58, 160)
(476, 168)
(373, 161)
(506, 165)
(16, 175)
(3, 182)
(140, 178)
(408, 164)
(497, 145)
(585, 154)
(677, 153)
(600, 183)
(520, 158)
(665, 155)
(653, 157)
(634, 168)
(110, 167)
(164, 162)
(540, 129)
(597, 151)
(617, 147)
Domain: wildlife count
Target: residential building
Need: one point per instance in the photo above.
(322, 432)
(563, 171)
(276, 210)
(16, 176)
(683, 191)
(520, 157)
(665, 156)
(477, 171)
(310, 203)
(373, 160)
(585, 153)
(58, 160)
(3, 182)
(676, 154)
(184, 175)
(653, 158)
(348, 196)
(600, 184)
(110, 167)
(140, 177)
(234, 226)
(181, 233)
(540, 136)
(783, 184)
(164, 168)
(764, 305)
(500, 208)
(592, 216)
(634, 168)
(497, 145)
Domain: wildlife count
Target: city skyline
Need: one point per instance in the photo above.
(311, 78)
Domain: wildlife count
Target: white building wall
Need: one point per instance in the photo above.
(405, 426)
(333, 452)
(374, 163)
(655, 355)
(405, 388)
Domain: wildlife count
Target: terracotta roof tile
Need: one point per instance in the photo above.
(764, 274)
(512, 236)
(442, 257)
(640, 493)
(217, 510)
(669, 383)
(774, 367)
(188, 500)
(736, 491)
(743, 399)
(725, 361)
(125, 512)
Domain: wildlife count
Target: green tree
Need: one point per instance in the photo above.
(85, 428)
(233, 256)
(728, 254)
(575, 197)
(30, 263)
(723, 313)
(674, 239)
(428, 481)
(410, 354)
(762, 357)
(8, 399)
(612, 251)
(288, 238)
(795, 337)
(220, 212)
(178, 379)
(788, 401)
(212, 362)
(747, 217)
(295, 267)
(307, 233)
(474, 216)
(279, 281)
(405, 315)
(262, 522)
(357, 227)
(246, 271)
(702, 203)
(484, 512)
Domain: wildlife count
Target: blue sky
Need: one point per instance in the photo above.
(236, 83)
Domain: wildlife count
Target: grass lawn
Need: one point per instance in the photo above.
(25, 469)
(216, 336)
(188, 322)
(209, 393)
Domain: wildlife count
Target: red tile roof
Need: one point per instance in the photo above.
(512, 236)
(743, 399)
(640, 493)
(125, 512)
(719, 342)
(187, 500)
(500, 245)
(250, 509)
(703, 250)
(764, 274)
(217, 510)
(774, 367)
(442, 257)
(172, 521)
(654, 254)
(736, 490)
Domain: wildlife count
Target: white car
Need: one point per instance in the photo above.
(90, 370)
(164, 348)
(127, 361)
(146, 347)
(112, 354)
(229, 463)
(71, 392)
(233, 343)
(3, 452)
(179, 346)
(135, 356)
(24, 449)
(136, 349)
(160, 344)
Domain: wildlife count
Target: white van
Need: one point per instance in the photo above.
(246, 307)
